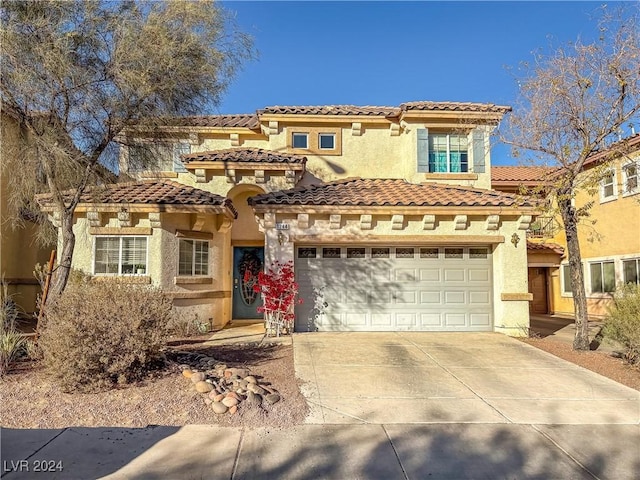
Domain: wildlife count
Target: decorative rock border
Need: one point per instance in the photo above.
(224, 389)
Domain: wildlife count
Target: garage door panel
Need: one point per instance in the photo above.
(454, 275)
(437, 292)
(430, 275)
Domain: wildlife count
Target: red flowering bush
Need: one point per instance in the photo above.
(279, 293)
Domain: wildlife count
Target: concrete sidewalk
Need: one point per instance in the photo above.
(386, 452)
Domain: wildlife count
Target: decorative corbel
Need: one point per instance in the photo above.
(405, 126)
(199, 222)
(303, 220)
(493, 221)
(56, 219)
(429, 222)
(269, 220)
(260, 176)
(525, 222)
(235, 139)
(94, 218)
(225, 225)
(366, 222)
(394, 129)
(291, 177)
(201, 175)
(124, 218)
(460, 222)
(335, 221)
(194, 139)
(356, 129)
(397, 222)
(231, 175)
(273, 127)
(154, 220)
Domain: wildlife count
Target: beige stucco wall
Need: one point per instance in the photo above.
(162, 264)
(19, 250)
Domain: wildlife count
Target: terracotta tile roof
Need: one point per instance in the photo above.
(250, 121)
(148, 192)
(545, 247)
(519, 174)
(456, 106)
(331, 110)
(257, 155)
(617, 149)
(389, 192)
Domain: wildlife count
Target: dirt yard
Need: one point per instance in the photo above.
(31, 400)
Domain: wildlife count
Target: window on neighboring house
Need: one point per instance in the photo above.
(631, 270)
(603, 277)
(566, 280)
(120, 256)
(327, 141)
(193, 257)
(608, 186)
(448, 153)
(158, 157)
(630, 173)
(300, 140)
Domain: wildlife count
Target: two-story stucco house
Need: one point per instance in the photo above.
(609, 237)
(385, 212)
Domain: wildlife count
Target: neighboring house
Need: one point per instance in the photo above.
(19, 251)
(385, 212)
(609, 237)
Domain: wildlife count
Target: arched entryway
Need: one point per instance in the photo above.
(247, 244)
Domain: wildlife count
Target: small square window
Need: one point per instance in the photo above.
(380, 252)
(300, 140)
(331, 252)
(307, 252)
(405, 253)
(453, 252)
(355, 252)
(327, 141)
(428, 253)
(477, 253)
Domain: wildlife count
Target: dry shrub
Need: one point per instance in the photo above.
(622, 323)
(98, 334)
(12, 342)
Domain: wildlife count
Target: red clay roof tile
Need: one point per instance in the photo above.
(389, 192)
(456, 106)
(148, 192)
(545, 247)
(519, 174)
(257, 155)
(331, 110)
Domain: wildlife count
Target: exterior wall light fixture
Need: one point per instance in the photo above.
(515, 239)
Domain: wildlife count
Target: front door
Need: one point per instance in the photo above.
(538, 288)
(247, 263)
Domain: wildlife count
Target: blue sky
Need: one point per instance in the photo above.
(386, 53)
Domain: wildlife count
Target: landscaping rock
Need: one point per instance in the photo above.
(272, 398)
(219, 397)
(219, 408)
(186, 373)
(252, 387)
(251, 379)
(233, 409)
(204, 387)
(254, 399)
(230, 401)
(197, 377)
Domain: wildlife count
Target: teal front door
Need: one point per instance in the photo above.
(247, 263)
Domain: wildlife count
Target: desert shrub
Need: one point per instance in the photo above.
(12, 342)
(184, 324)
(98, 334)
(622, 323)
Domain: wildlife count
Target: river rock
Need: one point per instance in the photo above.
(254, 399)
(229, 401)
(219, 408)
(272, 398)
(203, 387)
(251, 379)
(187, 373)
(197, 377)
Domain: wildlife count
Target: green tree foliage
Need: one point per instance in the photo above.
(76, 73)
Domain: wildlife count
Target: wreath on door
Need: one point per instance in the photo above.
(249, 267)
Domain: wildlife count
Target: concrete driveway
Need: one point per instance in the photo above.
(413, 378)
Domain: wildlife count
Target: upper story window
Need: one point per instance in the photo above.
(159, 157)
(608, 187)
(327, 141)
(630, 178)
(300, 140)
(321, 141)
(193, 257)
(448, 153)
(120, 256)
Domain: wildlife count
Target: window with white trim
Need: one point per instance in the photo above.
(120, 256)
(300, 140)
(603, 277)
(631, 270)
(608, 187)
(326, 141)
(448, 153)
(567, 288)
(630, 178)
(193, 257)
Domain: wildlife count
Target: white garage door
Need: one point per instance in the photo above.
(385, 288)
